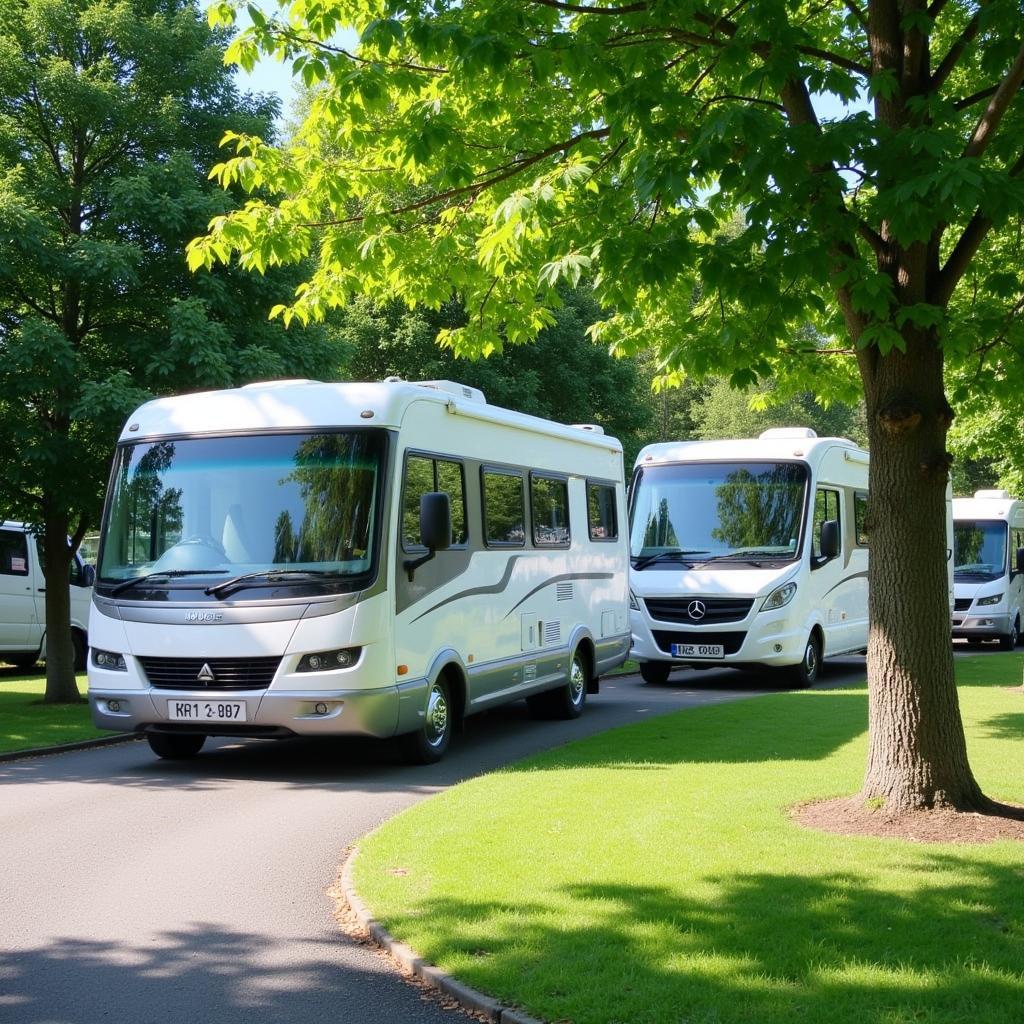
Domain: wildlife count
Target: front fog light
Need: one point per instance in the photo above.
(324, 661)
(109, 660)
(779, 598)
(321, 708)
(113, 706)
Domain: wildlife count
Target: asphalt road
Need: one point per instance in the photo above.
(137, 890)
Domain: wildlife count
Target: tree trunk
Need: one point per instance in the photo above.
(61, 685)
(917, 755)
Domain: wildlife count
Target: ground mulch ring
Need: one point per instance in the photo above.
(851, 816)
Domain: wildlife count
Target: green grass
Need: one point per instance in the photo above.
(627, 668)
(651, 875)
(25, 722)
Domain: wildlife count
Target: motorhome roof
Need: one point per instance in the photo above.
(803, 447)
(300, 403)
(984, 505)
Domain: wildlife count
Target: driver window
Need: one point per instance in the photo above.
(826, 506)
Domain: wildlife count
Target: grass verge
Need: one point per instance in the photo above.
(26, 722)
(651, 875)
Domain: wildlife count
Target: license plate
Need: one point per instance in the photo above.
(698, 651)
(206, 710)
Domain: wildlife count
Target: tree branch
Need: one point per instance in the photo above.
(861, 17)
(988, 123)
(969, 101)
(584, 9)
(954, 54)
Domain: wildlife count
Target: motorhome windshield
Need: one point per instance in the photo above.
(979, 549)
(228, 506)
(699, 512)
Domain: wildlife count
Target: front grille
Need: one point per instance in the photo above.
(229, 673)
(731, 642)
(716, 609)
(961, 604)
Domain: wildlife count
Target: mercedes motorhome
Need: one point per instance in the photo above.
(301, 558)
(749, 552)
(988, 567)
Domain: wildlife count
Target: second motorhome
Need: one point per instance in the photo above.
(988, 568)
(748, 553)
(378, 559)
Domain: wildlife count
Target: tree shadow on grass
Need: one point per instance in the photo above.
(1009, 726)
(767, 949)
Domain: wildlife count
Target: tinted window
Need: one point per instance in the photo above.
(826, 507)
(601, 517)
(550, 511)
(423, 475)
(503, 508)
(449, 480)
(860, 515)
(13, 553)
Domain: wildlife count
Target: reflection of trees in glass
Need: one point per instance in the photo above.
(550, 505)
(421, 476)
(337, 475)
(285, 541)
(979, 544)
(503, 508)
(154, 516)
(660, 532)
(601, 512)
(758, 510)
(826, 507)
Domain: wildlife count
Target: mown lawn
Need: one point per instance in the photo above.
(651, 875)
(26, 722)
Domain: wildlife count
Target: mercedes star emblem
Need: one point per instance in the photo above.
(696, 609)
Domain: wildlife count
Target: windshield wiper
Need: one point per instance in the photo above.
(642, 561)
(166, 574)
(746, 558)
(267, 574)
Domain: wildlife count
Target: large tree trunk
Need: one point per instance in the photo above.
(917, 754)
(61, 686)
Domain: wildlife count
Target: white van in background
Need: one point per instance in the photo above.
(23, 600)
(988, 568)
(381, 559)
(749, 552)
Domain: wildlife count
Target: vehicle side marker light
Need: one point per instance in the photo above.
(403, 670)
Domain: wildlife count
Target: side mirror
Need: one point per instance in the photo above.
(830, 540)
(435, 529)
(1020, 559)
(88, 575)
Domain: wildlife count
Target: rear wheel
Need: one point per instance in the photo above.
(1009, 641)
(429, 742)
(175, 746)
(806, 672)
(570, 698)
(655, 671)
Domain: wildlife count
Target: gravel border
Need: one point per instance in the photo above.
(414, 965)
(67, 748)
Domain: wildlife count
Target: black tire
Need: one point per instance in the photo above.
(23, 661)
(805, 672)
(655, 671)
(80, 648)
(1010, 640)
(429, 742)
(569, 699)
(175, 746)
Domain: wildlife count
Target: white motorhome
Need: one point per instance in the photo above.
(23, 599)
(749, 552)
(988, 568)
(382, 559)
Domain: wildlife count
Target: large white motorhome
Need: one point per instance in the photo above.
(988, 567)
(381, 559)
(749, 552)
(23, 599)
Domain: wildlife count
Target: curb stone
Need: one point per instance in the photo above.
(67, 748)
(414, 965)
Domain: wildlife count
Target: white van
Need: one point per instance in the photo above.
(23, 600)
(381, 559)
(988, 567)
(749, 552)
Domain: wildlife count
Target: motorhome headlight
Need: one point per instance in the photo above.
(109, 660)
(779, 598)
(633, 602)
(991, 599)
(324, 661)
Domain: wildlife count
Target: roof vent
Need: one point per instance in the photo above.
(451, 387)
(996, 494)
(786, 433)
(590, 428)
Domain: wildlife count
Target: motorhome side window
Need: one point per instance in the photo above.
(826, 507)
(860, 516)
(504, 513)
(549, 507)
(13, 553)
(601, 517)
(424, 474)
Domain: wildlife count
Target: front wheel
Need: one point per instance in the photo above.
(805, 672)
(175, 746)
(429, 742)
(1009, 641)
(569, 699)
(655, 671)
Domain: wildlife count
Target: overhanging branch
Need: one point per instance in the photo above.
(988, 123)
